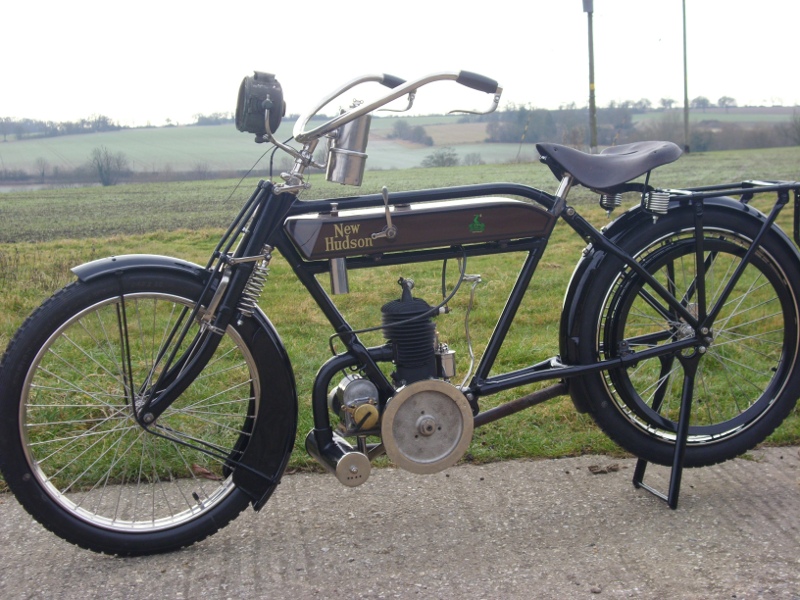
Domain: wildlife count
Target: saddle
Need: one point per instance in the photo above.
(613, 167)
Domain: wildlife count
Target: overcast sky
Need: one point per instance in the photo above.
(146, 61)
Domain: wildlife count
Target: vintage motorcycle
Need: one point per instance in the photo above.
(146, 404)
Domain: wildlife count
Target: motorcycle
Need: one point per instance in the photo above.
(146, 404)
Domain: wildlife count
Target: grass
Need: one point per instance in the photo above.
(43, 234)
(145, 208)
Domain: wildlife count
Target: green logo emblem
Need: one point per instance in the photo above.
(476, 226)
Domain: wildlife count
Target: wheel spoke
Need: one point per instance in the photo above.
(92, 456)
(743, 363)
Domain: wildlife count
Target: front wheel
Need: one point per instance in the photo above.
(746, 380)
(72, 451)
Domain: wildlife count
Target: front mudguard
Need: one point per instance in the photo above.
(580, 293)
(117, 265)
(267, 452)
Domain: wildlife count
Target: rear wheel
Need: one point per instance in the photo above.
(746, 379)
(72, 451)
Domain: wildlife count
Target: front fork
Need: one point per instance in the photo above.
(235, 296)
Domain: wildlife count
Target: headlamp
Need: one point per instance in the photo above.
(257, 94)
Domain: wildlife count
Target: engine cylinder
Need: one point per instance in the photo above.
(414, 341)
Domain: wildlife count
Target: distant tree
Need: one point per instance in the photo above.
(5, 127)
(201, 170)
(101, 123)
(520, 124)
(217, 118)
(666, 103)
(401, 130)
(700, 140)
(41, 165)
(472, 159)
(618, 115)
(418, 136)
(726, 102)
(441, 157)
(793, 129)
(668, 127)
(643, 104)
(700, 102)
(575, 136)
(108, 165)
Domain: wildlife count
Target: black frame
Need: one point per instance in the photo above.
(261, 227)
(482, 383)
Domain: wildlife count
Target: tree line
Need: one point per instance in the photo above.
(29, 128)
(569, 125)
(21, 129)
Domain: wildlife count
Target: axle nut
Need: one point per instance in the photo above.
(426, 425)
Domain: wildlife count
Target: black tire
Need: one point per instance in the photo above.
(72, 452)
(747, 381)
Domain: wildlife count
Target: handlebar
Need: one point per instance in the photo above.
(399, 87)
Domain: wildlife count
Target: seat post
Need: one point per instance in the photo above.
(561, 194)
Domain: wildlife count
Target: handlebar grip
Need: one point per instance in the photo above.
(477, 82)
(391, 81)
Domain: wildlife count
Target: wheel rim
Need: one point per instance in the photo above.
(747, 363)
(86, 449)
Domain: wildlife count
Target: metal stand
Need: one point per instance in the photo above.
(671, 498)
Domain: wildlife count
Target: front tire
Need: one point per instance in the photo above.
(70, 448)
(747, 380)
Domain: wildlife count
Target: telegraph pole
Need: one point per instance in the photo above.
(685, 88)
(588, 8)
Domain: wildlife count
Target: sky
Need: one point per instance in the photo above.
(148, 62)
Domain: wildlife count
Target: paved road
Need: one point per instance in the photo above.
(521, 529)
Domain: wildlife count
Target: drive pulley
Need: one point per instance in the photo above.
(427, 426)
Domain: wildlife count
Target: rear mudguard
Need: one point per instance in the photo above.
(580, 293)
(268, 449)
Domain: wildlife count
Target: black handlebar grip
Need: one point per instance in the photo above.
(477, 82)
(391, 81)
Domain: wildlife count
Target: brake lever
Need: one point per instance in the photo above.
(495, 104)
(412, 95)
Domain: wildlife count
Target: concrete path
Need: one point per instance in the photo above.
(521, 529)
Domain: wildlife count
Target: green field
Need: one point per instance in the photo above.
(223, 148)
(744, 115)
(43, 234)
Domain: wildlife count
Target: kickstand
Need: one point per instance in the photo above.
(671, 498)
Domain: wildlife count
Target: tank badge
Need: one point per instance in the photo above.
(345, 238)
(476, 226)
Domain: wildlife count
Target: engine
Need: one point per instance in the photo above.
(412, 335)
(417, 355)
(427, 425)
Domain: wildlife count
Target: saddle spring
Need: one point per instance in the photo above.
(610, 201)
(656, 202)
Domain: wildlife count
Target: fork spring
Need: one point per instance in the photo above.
(255, 285)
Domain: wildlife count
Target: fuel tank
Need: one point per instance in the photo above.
(347, 233)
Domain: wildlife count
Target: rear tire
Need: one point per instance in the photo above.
(747, 381)
(70, 448)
